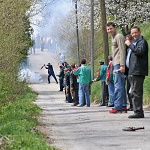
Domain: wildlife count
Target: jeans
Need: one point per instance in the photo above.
(84, 94)
(111, 90)
(120, 92)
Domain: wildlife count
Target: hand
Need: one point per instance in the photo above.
(122, 69)
(127, 42)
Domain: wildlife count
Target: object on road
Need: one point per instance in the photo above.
(132, 128)
(28, 76)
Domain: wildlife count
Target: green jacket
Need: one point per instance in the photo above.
(102, 73)
(84, 74)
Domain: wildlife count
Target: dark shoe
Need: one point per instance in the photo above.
(102, 105)
(60, 91)
(74, 104)
(130, 109)
(111, 105)
(124, 110)
(79, 105)
(114, 111)
(136, 116)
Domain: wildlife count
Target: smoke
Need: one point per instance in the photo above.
(48, 13)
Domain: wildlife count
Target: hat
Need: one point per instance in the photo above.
(101, 62)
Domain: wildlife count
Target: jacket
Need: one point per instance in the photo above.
(84, 74)
(138, 62)
(118, 49)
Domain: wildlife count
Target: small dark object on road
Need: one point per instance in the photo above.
(132, 128)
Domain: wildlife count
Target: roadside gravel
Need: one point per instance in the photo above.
(86, 128)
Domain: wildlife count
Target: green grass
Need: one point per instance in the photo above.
(17, 123)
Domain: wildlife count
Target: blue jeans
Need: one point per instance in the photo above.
(111, 90)
(120, 92)
(84, 93)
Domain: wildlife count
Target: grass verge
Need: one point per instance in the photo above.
(17, 121)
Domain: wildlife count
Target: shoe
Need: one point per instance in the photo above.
(79, 105)
(114, 111)
(102, 105)
(87, 106)
(60, 91)
(56, 82)
(124, 110)
(130, 109)
(111, 105)
(136, 116)
(74, 104)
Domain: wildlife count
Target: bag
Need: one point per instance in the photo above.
(108, 72)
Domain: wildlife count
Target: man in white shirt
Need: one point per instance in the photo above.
(61, 58)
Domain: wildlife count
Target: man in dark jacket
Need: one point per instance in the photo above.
(50, 72)
(138, 69)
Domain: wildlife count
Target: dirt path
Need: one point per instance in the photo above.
(93, 128)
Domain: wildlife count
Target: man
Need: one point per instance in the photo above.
(74, 85)
(61, 78)
(104, 88)
(50, 72)
(119, 56)
(61, 58)
(84, 76)
(138, 69)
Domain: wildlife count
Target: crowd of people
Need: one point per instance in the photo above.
(121, 79)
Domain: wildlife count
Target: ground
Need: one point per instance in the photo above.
(87, 128)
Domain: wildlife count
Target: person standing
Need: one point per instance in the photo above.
(84, 76)
(128, 52)
(138, 69)
(110, 81)
(104, 88)
(50, 72)
(74, 85)
(61, 58)
(61, 78)
(119, 56)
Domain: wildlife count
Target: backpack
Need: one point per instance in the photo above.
(109, 73)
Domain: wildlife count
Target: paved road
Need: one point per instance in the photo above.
(93, 128)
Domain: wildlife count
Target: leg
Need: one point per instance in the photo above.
(111, 93)
(120, 93)
(87, 95)
(128, 94)
(48, 78)
(137, 93)
(55, 78)
(81, 94)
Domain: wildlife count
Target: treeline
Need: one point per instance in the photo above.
(15, 32)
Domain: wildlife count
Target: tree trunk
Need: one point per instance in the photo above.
(104, 32)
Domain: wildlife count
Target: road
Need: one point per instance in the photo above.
(86, 128)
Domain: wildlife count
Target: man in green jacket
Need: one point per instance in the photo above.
(84, 79)
(104, 88)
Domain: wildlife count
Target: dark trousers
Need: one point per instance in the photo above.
(61, 84)
(137, 93)
(128, 85)
(75, 96)
(104, 94)
(52, 74)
